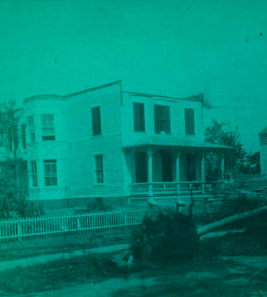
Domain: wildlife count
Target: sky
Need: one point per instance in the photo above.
(169, 47)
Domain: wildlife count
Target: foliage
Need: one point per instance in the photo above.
(165, 237)
(13, 200)
(250, 164)
(220, 133)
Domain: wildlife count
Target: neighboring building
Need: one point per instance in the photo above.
(263, 150)
(112, 144)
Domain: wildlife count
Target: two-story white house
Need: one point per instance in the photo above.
(116, 145)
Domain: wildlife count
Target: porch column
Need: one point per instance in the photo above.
(149, 176)
(177, 168)
(222, 170)
(203, 172)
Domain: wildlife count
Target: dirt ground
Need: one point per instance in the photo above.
(230, 276)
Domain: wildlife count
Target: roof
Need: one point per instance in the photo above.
(179, 143)
(44, 97)
(264, 131)
(195, 98)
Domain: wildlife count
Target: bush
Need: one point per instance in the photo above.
(165, 237)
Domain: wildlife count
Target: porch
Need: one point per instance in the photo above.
(164, 172)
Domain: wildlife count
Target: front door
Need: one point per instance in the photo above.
(166, 159)
(191, 166)
(141, 167)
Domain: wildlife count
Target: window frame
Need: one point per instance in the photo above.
(99, 169)
(48, 124)
(51, 175)
(34, 176)
(96, 121)
(162, 119)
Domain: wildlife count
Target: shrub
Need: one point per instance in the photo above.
(165, 237)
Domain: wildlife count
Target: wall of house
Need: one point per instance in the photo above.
(177, 118)
(263, 153)
(41, 150)
(83, 146)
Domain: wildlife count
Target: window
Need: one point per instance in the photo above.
(23, 135)
(99, 169)
(96, 121)
(34, 174)
(189, 121)
(31, 128)
(50, 172)
(162, 119)
(48, 127)
(139, 117)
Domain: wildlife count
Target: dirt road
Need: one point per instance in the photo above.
(220, 277)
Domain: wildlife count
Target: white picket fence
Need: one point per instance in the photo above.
(14, 229)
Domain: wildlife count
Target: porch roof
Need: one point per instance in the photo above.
(181, 143)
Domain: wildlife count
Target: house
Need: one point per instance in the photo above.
(263, 150)
(116, 145)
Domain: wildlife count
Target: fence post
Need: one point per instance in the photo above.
(19, 231)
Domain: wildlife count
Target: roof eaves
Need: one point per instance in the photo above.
(195, 98)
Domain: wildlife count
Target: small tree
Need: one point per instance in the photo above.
(220, 133)
(12, 200)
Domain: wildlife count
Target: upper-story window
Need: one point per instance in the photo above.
(96, 121)
(48, 127)
(162, 119)
(50, 172)
(23, 135)
(189, 121)
(31, 128)
(139, 117)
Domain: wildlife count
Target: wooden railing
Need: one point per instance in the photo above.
(14, 229)
(173, 188)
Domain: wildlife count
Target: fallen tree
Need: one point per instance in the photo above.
(229, 220)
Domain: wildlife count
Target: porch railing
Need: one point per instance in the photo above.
(173, 188)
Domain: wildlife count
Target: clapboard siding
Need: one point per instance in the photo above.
(83, 146)
(177, 119)
(43, 150)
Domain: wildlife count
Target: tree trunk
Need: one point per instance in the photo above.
(210, 227)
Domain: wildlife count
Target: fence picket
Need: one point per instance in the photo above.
(35, 227)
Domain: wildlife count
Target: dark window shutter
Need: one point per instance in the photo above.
(96, 121)
(189, 121)
(157, 118)
(167, 119)
(142, 117)
(139, 117)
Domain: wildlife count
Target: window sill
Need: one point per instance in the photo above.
(99, 185)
